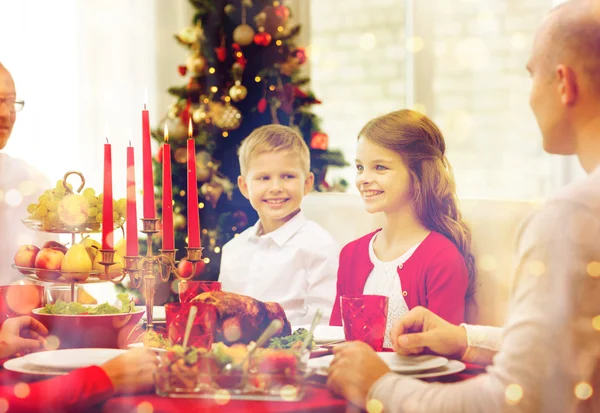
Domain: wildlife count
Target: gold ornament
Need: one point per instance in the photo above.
(243, 35)
(196, 63)
(188, 35)
(179, 222)
(226, 117)
(199, 115)
(238, 92)
(211, 192)
(260, 19)
(203, 169)
(229, 9)
(173, 111)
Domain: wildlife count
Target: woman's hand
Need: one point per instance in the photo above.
(20, 334)
(354, 369)
(420, 329)
(133, 371)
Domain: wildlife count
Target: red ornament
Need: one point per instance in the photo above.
(159, 155)
(319, 140)
(221, 53)
(282, 12)
(262, 105)
(300, 54)
(182, 70)
(185, 114)
(262, 39)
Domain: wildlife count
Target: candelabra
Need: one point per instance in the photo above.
(142, 271)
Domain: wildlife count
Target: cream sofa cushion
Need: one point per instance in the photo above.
(494, 223)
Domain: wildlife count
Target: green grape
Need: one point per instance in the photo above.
(59, 184)
(52, 217)
(121, 206)
(44, 197)
(99, 217)
(100, 198)
(92, 212)
(52, 205)
(31, 208)
(92, 201)
(40, 212)
(59, 192)
(89, 192)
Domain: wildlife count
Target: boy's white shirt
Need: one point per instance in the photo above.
(295, 266)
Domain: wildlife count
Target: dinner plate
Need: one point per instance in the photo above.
(453, 367)
(20, 365)
(70, 359)
(396, 362)
(325, 334)
(141, 345)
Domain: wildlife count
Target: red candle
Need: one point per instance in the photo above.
(107, 202)
(149, 207)
(193, 219)
(168, 241)
(131, 224)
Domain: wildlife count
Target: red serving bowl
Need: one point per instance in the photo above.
(89, 331)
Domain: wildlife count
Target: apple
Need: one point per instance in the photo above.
(185, 268)
(56, 246)
(49, 260)
(25, 256)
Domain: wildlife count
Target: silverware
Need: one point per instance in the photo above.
(188, 326)
(309, 335)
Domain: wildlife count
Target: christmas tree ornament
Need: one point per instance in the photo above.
(224, 182)
(204, 166)
(247, 3)
(262, 105)
(179, 222)
(275, 18)
(262, 39)
(243, 35)
(159, 155)
(238, 91)
(283, 13)
(199, 114)
(187, 36)
(196, 63)
(319, 140)
(260, 20)
(300, 54)
(182, 69)
(229, 9)
(173, 111)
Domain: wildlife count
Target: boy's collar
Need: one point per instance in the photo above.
(282, 234)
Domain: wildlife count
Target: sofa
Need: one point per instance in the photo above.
(495, 225)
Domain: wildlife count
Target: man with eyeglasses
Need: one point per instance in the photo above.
(20, 185)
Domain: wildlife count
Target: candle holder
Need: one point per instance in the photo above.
(145, 272)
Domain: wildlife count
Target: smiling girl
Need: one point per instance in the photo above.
(421, 256)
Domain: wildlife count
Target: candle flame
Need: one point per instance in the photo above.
(166, 133)
(190, 129)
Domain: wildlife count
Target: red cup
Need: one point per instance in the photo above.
(364, 318)
(190, 289)
(17, 300)
(203, 328)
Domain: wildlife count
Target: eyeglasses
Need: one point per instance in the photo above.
(13, 105)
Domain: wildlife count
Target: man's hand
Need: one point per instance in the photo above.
(133, 371)
(420, 329)
(354, 369)
(21, 334)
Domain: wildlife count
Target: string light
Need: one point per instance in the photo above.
(278, 42)
(211, 70)
(225, 134)
(271, 88)
(257, 79)
(214, 89)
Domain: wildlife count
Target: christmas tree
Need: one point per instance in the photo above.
(242, 72)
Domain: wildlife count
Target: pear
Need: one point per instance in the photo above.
(113, 269)
(92, 246)
(76, 264)
(120, 247)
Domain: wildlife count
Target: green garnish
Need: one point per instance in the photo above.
(289, 341)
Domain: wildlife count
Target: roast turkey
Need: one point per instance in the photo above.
(242, 319)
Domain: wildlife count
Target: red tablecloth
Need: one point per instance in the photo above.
(317, 398)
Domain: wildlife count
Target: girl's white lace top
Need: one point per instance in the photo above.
(384, 280)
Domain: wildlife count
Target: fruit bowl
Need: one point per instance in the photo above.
(90, 330)
(58, 227)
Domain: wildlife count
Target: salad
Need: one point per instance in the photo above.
(73, 308)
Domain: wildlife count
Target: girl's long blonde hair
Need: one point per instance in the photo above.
(421, 145)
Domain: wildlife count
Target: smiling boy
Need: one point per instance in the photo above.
(284, 257)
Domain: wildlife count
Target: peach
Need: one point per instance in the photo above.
(49, 260)
(25, 256)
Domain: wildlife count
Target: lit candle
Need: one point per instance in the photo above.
(131, 223)
(107, 202)
(149, 207)
(193, 219)
(168, 241)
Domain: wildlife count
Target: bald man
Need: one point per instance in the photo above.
(546, 359)
(20, 185)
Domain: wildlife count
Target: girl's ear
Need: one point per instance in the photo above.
(243, 186)
(309, 182)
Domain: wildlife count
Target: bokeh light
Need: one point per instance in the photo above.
(22, 390)
(374, 406)
(513, 394)
(289, 392)
(536, 268)
(367, 41)
(486, 262)
(593, 269)
(145, 407)
(583, 390)
(4, 405)
(222, 397)
(414, 44)
(13, 197)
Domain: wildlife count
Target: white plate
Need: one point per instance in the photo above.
(395, 362)
(158, 313)
(70, 359)
(325, 334)
(453, 367)
(20, 365)
(141, 345)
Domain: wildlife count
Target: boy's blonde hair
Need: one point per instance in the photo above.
(273, 138)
